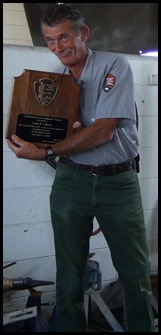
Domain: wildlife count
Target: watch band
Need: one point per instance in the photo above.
(51, 157)
(50, 152)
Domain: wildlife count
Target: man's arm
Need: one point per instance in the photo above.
(87, 138)
(24, 149)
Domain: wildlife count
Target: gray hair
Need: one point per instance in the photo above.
(54, 16)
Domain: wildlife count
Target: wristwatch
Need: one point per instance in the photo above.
(50, 152)
(51, 157)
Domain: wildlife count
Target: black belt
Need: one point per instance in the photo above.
(102, 170)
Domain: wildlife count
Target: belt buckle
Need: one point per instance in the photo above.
(92, 170)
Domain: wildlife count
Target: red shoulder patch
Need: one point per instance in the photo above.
(109, 82)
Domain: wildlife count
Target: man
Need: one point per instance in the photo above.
(95, 176)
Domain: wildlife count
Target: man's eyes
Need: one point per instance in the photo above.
(63, 38)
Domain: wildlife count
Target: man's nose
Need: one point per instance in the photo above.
(57, 47)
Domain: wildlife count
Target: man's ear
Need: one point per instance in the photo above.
(85, 33)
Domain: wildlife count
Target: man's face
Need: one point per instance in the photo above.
(66, 44)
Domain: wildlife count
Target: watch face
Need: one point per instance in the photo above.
(49, 151)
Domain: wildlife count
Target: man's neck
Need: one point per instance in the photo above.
(76, 69)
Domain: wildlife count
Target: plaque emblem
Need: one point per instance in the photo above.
(45, 91)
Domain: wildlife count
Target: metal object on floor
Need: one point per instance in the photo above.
(96, 297)
(91, 291)
(23, 283)
(19, 315)
(30, 318)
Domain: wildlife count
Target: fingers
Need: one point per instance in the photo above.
(76, 125)
(17, 145)
(26, 150)
(12, 145)
(17, 140)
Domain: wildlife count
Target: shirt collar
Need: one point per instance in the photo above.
(86, 75)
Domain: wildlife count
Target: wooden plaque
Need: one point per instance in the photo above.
(43, 107)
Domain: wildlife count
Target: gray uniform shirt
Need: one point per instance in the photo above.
(107, 91)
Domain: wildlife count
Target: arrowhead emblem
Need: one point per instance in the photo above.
(45, 91)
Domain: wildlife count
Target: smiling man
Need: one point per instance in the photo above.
(96, 176)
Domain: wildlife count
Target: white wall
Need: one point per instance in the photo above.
(28, 235)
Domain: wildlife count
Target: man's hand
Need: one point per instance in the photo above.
(27, 150)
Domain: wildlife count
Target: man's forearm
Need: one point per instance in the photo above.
(86, 139)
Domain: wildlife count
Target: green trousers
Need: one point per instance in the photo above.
(115, 201)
